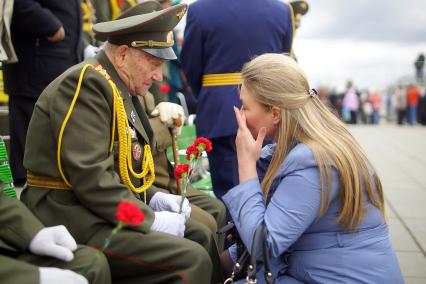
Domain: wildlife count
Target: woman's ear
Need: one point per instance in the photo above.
(276, 115)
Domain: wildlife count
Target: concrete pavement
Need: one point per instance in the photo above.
(399, 155)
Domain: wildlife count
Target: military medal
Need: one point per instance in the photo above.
(133, 116)
(132, 133)
(137, 151)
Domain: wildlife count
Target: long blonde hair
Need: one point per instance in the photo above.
(277, 80)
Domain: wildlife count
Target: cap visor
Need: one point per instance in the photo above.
(163, 53)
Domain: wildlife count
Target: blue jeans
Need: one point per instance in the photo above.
(412, 115)
(376, 117)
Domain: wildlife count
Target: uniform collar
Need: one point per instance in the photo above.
(131, 113)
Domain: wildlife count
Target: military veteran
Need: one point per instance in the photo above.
(89, 148)
(205, 209)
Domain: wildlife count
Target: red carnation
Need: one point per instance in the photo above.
(203, 144)
(192, 151)
(129, 213)
(165, 88)
(180, 170)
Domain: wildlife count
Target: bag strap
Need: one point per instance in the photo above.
(260, 238)
(266, 259)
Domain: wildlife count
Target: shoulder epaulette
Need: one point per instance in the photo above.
(101, 70)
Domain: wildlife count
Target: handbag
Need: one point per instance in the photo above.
(243, 266)
(259, 239)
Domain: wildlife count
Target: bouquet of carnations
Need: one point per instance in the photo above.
(193, 154)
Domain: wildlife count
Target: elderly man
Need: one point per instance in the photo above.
(89, 149)
(205, 209)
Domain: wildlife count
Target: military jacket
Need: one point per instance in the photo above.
(86, 160)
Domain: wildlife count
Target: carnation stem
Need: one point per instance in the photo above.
(119, 226)
(183, 193)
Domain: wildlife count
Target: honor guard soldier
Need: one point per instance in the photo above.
(90, 148)
(220, 36)
(300, 8)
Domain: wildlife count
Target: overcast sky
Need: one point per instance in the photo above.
(372, 42)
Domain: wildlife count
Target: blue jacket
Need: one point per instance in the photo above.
(220, 36)
(303, 247)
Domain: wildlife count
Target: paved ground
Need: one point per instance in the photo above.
(399, 154)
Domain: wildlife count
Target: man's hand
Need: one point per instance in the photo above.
(55, 241)
(169, 202)
(170, 223)
(53, 275)
(59, 35)
(169, 113)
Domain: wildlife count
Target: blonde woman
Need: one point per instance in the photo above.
(325, 219)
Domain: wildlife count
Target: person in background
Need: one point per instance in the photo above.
(376, 102)
(47, 39)
(220, 36)
(7, 52)
(97, 11)
(400, 104)
(422, 107)
(413, 95)
(351, 103)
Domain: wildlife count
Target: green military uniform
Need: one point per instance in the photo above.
(18, 266)
(86, 206)
(205, 209)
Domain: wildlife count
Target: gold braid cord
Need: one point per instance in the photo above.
(121, 125)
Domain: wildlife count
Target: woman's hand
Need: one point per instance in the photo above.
(248, 148)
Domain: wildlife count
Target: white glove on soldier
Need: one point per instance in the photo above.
(53, 275)
(90, 51)
(55, 241)
(169, 202)
(170, 223)
(168, 112)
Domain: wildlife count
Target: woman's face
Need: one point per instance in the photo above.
(259, 115)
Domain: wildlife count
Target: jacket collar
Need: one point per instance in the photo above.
(131, 113)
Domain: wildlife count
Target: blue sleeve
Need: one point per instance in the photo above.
(288, 39)
(31, 18)
(192, 52)
(293, 207)
(246, 206)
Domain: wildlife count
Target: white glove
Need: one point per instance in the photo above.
(168, 112)
(170, 223)
(53, 275)
(54, 241)
(90, 51)
(169, 202)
